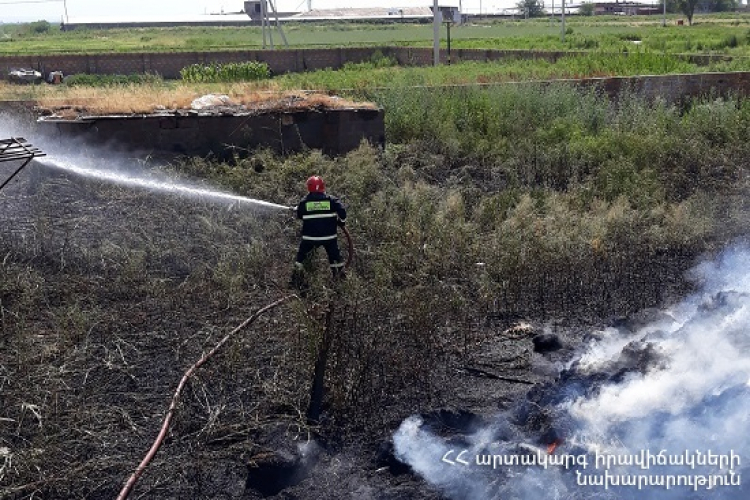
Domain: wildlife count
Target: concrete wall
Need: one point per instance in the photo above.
(334, 132)
(169, 64)
(675, 89)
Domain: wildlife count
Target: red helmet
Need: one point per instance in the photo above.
(315, 184)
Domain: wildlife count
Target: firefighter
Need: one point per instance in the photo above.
(321, 215)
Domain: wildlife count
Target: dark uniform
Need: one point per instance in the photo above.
(321, 215)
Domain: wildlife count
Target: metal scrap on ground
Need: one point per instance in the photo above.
(17, 149)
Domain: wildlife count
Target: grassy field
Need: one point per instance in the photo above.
(710, 34)
(356, 81)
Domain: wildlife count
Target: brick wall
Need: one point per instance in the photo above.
(676, 89)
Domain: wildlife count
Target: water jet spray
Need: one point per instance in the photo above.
(152, 184)
(18, 149)
(165, 185)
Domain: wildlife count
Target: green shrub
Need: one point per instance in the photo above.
(621, 178)
(224, 73)
(380, 60)
(585, 43)
(86, 80)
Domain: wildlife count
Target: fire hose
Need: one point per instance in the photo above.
(125, 492)
(176, 397)
(350, 247)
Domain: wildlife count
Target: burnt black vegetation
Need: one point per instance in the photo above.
(488, 208)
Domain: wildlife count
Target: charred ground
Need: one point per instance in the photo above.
(108, 294)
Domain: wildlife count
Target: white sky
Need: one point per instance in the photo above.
(52, 10)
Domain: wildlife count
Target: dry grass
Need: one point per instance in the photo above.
(142, 99)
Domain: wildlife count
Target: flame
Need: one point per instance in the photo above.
(553, 446)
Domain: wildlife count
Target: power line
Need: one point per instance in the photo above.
(31, 1)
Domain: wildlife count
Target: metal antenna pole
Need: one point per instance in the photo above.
(263, 19)
(563, 22)
(268, 23)
(278, 24)
(552, 17)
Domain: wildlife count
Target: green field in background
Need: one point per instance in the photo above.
(710, 34)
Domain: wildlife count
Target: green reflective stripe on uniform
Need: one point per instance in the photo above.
(318, 206)
(318, 216)
(319, 238)
(337, 264)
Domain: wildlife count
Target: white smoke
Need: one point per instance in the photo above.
(685, 408)
(424, 452)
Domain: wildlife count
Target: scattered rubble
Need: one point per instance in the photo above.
(24, 75)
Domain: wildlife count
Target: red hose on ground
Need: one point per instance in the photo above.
(350, 246)
(176, 397)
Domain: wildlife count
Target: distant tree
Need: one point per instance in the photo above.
(586, 9)
(531, 8)
(717, 5)
(39, 27)
(687, 7)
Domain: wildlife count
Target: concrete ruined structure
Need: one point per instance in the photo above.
(216, 127)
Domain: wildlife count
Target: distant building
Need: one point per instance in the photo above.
(625, 9)
(254, 9)
(252, 16)
(449, 14)
(137, 21)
